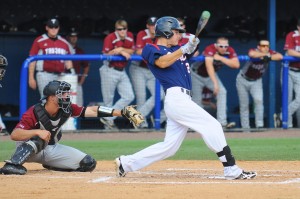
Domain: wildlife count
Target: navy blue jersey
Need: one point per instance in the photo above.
(178, 74)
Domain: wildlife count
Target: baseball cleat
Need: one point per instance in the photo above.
(245, 175)
(108, 124)
(229, 125)
(119, 168)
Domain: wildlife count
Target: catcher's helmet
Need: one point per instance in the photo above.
(61, 90)
(165, 25)
(3, 64)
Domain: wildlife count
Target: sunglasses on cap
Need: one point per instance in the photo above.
(120, 29)
(222, 46)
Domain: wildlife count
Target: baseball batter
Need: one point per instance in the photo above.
(141, 77)
(112, 74)
(292, 47)
(39, 132)
(205, 74)
(49, 43)
(168, 62)
(249, 81)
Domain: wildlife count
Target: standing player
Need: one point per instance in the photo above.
(292, 47)
(39, 131)
(112, 74)
(141, 77)
(49, 43)
(249, 80)
(205, 74)
(168, 62)
(81, 67)
(3, 65)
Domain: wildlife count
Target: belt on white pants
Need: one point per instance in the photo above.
(183, 90)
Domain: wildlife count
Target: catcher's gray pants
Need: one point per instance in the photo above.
(198, 83)
(255, 88)
(58, 156)
(111, 80)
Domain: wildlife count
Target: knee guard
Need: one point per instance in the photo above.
(26, 149)
(87, 164)
(226, 157)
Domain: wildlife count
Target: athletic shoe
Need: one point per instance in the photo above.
(245, 175)
(4, 132)
(277, 120)
(229, 125)
(11, 169)
(108, 124)
(119, 168)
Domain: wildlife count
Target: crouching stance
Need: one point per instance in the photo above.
(39, 131)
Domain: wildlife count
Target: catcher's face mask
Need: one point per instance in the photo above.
(63, 95)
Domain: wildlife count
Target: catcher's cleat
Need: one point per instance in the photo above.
(245, 175)
(119, 168)
(12, 169)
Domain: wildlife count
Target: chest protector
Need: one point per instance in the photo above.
(51, 124)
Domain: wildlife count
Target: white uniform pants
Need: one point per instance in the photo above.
(182, 114)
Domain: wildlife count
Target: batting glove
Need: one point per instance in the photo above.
(191, 46)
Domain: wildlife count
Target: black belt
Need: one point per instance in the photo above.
(56, 73)
(185, 91)
(116, 68)
(295, 69)
(248, 79)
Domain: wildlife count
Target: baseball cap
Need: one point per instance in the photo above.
(73, 32)
(50, 89)
(52, 23)
(151, 20)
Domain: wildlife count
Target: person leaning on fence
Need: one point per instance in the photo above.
(49, 43)
(292, 48)
(81, 67)
(205, 74)
(141, 77)
(249, 81)
(112, 73)
(39, 132)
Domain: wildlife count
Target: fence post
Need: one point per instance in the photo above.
(285, 95)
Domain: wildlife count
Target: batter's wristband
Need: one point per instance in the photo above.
(105, 111)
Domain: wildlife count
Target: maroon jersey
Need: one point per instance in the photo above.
(255, 69)
(43, 45)
(144, 37)
(29, 121)
(184, 39)
(209, 51)
(292, 41)
(77, 65)
(112, 41)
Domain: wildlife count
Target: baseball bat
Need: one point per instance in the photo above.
(202, 22)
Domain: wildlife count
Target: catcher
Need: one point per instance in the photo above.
(39, 131)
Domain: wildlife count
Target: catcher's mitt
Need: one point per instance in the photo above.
(133, 115)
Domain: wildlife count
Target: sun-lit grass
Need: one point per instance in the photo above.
(191, 149)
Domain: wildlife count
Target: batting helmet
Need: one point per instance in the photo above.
(3, 64)
(165, 25)
(61, 90)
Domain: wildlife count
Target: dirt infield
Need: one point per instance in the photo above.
(165, 179)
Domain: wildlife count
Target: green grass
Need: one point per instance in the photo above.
(192, 149)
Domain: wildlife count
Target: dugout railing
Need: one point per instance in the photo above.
(97, 57)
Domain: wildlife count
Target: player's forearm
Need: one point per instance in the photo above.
(95, 111)
(293, 53)
(22, 135)
(232, 63)
(276, 57)
(31, 70)
(168, 59)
